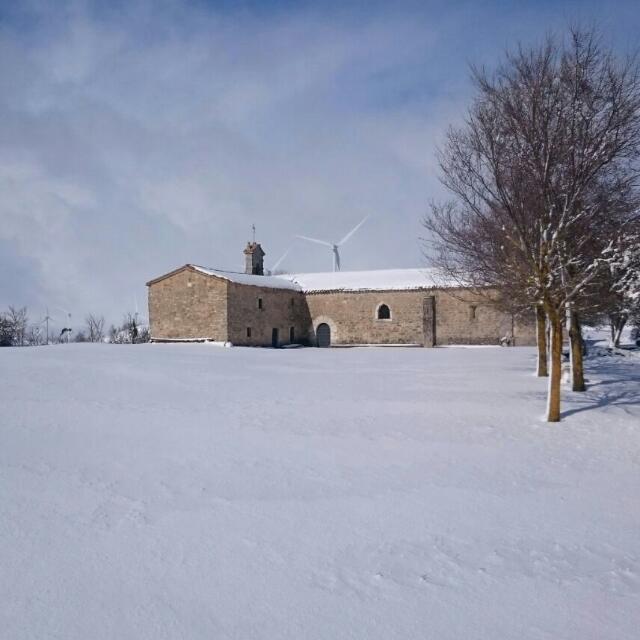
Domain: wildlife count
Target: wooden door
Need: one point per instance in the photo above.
(323, 335)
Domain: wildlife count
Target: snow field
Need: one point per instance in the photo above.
(185, 491)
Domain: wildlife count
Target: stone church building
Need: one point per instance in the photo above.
(385, 307)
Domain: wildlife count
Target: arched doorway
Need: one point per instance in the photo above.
(323, 335)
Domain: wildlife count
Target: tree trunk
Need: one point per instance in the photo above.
(618, 323)
(542, 369)
(553, 397)
(577, 364)
(618, 333)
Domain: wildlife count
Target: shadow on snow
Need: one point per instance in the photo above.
(622, 377)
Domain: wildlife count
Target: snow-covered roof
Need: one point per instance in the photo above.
(379, 280)
(274, 282)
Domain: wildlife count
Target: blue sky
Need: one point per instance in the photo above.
(137, 136)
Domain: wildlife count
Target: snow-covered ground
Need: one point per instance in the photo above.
(192, 492)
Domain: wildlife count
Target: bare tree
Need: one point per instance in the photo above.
(19, 322)
(554, 128)
(6, 331)
(143, 334)
(34, 336)
(624, 284)
(113, 334)
(95, 328)
(130, 328)
(127, 333)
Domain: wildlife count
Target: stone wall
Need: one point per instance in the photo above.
(461, 318)
(281, 309)
(352, 317)
(188, 305)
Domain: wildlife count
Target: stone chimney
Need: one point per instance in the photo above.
(254, 263)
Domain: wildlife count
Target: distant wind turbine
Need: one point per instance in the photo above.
(335, 246)
(46, 321)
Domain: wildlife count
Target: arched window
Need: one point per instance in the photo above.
(384, 313)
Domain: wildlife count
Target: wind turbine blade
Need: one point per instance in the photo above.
(353, 231)
(326, 244)
(281, 258)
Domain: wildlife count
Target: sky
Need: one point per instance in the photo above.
(138, 136)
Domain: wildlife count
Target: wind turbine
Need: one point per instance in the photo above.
(46, 321)
(335, 246)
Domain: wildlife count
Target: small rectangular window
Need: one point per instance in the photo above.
(259, 303)
(293, 301)
(292, 335)
(248, 332)
(472, 311)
